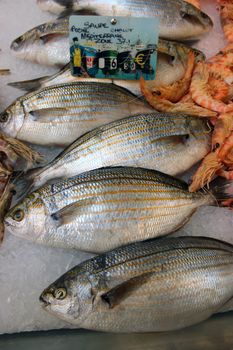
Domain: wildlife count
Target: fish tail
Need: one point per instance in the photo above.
(26, 183)
(222, 189)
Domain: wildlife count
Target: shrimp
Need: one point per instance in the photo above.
(206, 171)
(219, 89)
(226, 13)
(226, 49)
(200, 91)
(163, 105)
(222, 130)
(195, 3)
(178, 89)
(226, 147)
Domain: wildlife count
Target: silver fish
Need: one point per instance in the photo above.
(171, 66)
(48, 44)
(178, 19)
(152, 286)
(105, 208)
(57, 115)
(171, 144)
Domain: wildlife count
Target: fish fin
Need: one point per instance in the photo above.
(174, 139)
(47, 114)
(228, 306)
(28, 85)
(119, 293)
(50, 37)
(82, 12)
(25, 183)
(67, 214)
(222, 188)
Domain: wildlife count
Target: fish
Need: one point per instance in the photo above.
(58, 114)
(106, 208)
(178, 19)
(171, 144)
(48, 44)
(171, 65)
(157, 285)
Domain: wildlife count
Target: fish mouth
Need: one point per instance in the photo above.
(6, 223)
(17, 44)
(43, 301)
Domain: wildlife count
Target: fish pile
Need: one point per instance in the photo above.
(112, 190)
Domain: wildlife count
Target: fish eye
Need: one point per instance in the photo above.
(204, 15)
(4, 117)
(60, 293)
(18, 215)
(185, 15)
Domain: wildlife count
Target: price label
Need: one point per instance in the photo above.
(114, 47)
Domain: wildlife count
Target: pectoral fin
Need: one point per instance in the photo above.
(50, 37)
(174, 139)
(47, 115)
(69, 213)
(119, 293)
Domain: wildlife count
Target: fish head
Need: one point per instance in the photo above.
(194, 21)
(11, 120)
(70, 297)
(27, 219)
(197, 141)
(28, 45)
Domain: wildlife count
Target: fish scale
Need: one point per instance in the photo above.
(157, 285)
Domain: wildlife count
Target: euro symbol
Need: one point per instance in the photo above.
(139, 59)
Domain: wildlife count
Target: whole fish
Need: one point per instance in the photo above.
(57, 115)
(178, 19)
(171, 66)
(105, 208)
(152, 286)
(171, 144)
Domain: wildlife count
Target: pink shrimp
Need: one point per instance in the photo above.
(226, 13)
(222, 130)
(218, 88)
(163, 105)
(200, 90)
(226, 147)
(206, 171)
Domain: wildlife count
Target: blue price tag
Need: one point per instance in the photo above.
(114, 47)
